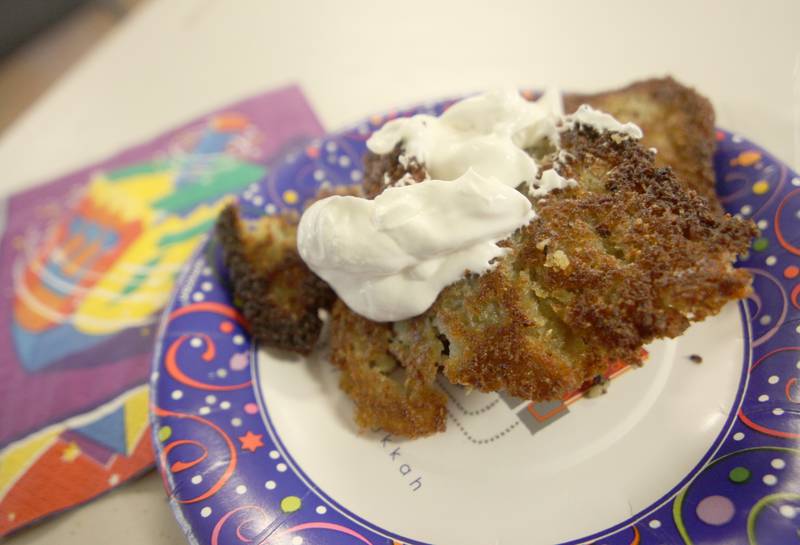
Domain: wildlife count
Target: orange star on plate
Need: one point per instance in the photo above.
(251, 441)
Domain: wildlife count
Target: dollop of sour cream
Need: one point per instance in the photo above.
(389, 258)
(601, 121)
(488, 133)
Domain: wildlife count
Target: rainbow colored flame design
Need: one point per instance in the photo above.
(108, 265)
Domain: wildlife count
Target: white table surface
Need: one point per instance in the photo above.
(175, 59)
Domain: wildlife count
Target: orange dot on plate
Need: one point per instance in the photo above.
(748, 158)
(791, 271)
(226, 327)
(760, 187)
(312, 151)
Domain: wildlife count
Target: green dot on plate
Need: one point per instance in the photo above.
(290, 504)
(760, 244)
(739, 475)
(164, 433)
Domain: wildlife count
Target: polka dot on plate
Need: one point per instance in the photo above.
(762, 224)
(777, 411)
(238, 361)
(176, 394)
(270, 485)
(715, 510)
(760, 244)
(198, 296)
(207, 271)
(738, 436)
(197, 479)
(787, 511)
(291, 196)
(356, 175)
(164, 433)
(205, 512)
(222, 373)
(739, 475)
(238, 339)
(778, 463)
(321, 509)
(797, 364)
(746, 209)
(773, 379)
(771, 260)
(196, 342)
(344, 161)
(206, 286)
(226, 327)
(290, 504)
(654, 524)
(319, 175)
(225, 405)
(791, 272)
(281, 467)
(236, 422)
(797, 329)
(330, 146)
(270, 209)
(250, 408)
(241, 489)
(204, 410)
(770, 480)
(211, 399)
(274, 454)
(760, 187)
(765, 319)
(796, 181)
(297, 540)
(258, 200)
(763, 397)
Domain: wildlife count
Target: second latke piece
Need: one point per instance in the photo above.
(627, 256)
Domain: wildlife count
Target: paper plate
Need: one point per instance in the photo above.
(257, 446)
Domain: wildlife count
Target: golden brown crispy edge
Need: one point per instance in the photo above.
(410, 405)
(675, 119)
(275, 290)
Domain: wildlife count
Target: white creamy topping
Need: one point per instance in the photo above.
(389, 258)
(488, 133)
(549, 181)
(601, 121)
